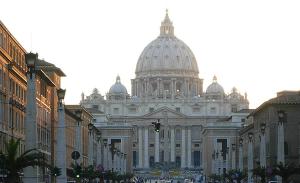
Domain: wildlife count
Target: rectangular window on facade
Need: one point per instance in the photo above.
(213, 110)
(95, 106)
(178, 161)
(196, 158)
(196, 109)
(177, 109)
(177, 134)
(43, 89)
(151, 145)
(134, 158)
(116, 110)
(162, 157)
(196, 145)
(1, 108)
(132, 110)
(1, 77)
(177, 145)
(1, 40)
(151, 161)
(233, 108)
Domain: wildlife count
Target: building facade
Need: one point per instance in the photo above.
(270, 146)
(12, 88)
(167, 88)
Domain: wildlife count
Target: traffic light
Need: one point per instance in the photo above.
(156, 125)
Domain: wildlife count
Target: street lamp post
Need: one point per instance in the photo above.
(31, 173)
(262, 156)
(78, 113)
(241, 163)
(61, 136)
(250, 157)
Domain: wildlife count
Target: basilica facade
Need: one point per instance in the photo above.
(198, 126)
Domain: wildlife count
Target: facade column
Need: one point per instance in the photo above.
(233, 157)
(125, 163)
(61, 145)
(158, 87)
(90, 149)
(105, 157)
(110, 163)
(280, 145)
(156, 146)
(31, 173)
(262, 152)
(146, 151)
(189, 147)
(98, 152)
(183, 148)
(121, 163)
(241, 163)
(280, 140)
(172, 88)
(250, 157)
(172, 144)
(140, 133)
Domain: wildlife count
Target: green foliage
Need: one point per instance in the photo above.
(285, 171)
(77, 171)
(215, 177)
(235, 175)
(261, 172)
(13, 165)
(55, 171)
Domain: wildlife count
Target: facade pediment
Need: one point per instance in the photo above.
(164, 112)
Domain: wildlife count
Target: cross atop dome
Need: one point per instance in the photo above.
(166, 28)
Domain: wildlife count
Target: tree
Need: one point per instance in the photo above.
(214, 177)
(261, 172)
(285, 171)
(13, 165)
(235, 175)
(77, 171)
(55, 171)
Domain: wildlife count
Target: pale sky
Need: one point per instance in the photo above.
(252, 45)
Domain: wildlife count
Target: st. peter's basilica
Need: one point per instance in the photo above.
(199, 127)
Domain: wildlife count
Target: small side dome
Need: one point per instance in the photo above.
(118, 88)
(215, 87)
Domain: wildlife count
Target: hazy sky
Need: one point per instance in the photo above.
(252, 45)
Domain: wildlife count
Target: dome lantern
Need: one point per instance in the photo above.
(166, 28)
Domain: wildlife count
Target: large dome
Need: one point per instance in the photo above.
(167, 55)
